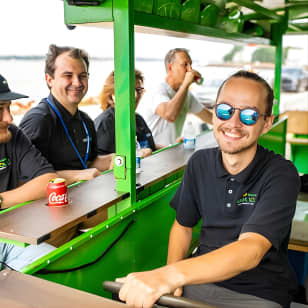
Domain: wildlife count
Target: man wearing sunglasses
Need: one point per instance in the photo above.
(245, 196)
(172, 100)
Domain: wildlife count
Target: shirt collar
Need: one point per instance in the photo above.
(66, 115)
(245, 175)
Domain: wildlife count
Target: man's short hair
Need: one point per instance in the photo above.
(170, 56)
(54, 51)
(260, 80)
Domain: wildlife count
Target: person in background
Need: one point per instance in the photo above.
(245, 196)
(24, 175)
(105, 122)
(65, 135)
(172, 100)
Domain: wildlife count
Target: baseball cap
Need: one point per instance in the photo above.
(6, 94)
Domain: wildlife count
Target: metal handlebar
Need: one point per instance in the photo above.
(165, 300)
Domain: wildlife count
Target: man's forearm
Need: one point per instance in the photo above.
(179, 242)
(223, 263)
(72, 176)
(103, 162)
(205, 115)
(32, 190)
(170, 110)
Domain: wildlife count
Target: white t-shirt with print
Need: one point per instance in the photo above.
(163, 131)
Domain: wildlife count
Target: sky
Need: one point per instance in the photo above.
(29, 27)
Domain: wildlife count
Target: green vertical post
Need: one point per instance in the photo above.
(125, 97)
(277, 32)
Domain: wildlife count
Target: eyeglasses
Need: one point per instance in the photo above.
(248, 116)
(139, 90)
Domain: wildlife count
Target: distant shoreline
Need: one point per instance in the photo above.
(42, 58)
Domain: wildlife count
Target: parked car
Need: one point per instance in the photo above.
(294, 79)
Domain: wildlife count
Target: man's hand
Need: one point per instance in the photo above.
(190, 77)
(87, 174)
(103, 162)
(179, 139)
(143, 289)
(111, 161)
(145, 152)
(72, 176)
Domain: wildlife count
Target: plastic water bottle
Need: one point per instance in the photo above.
(138, 157)
(189, 136)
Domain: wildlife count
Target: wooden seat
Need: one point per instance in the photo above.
(297, 138)
(297, 122)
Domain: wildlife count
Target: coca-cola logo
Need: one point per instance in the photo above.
(57, 199)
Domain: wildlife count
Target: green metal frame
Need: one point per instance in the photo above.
(143, 247)
(277, 41)
(124, 19)
(275, 139)
(125, 97)
(260, 10)
(179, 27)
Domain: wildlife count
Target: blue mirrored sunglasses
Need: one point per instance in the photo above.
(248, 116)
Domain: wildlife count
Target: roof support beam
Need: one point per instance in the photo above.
(259, 9)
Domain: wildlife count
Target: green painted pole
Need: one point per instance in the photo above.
(124, 57)
(277, 41)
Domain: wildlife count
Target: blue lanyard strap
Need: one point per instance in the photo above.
(69, 137)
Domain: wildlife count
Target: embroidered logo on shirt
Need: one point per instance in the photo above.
(4, 163)
(247, 199)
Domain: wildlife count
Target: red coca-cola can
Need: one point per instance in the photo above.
(57, 192)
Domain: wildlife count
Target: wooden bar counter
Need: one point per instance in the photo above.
(36, 222)
(19, 290)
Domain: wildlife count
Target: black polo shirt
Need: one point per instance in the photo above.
(260, 199)
(20, 161)
(105, 130)
(42, 125)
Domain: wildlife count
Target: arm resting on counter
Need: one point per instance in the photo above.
(32, 190)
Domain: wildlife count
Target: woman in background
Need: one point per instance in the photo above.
(105, 122)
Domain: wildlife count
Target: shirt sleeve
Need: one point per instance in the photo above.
(37, 127)
(31, 163)
(106, 136)
(160, 96)
(185, 199)
(275, 209)
(195, 106)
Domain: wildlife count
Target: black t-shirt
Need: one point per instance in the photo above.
(43, 127)
(20, 161)
(105, 129)
(260, 199)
